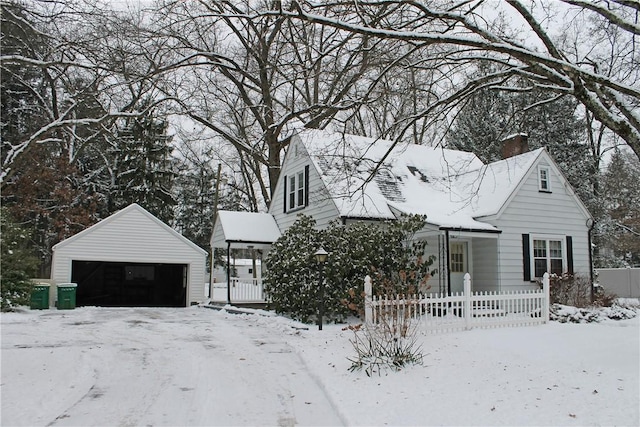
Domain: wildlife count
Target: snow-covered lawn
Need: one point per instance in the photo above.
(197, 366)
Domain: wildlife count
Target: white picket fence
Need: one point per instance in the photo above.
(241, 291)
(460, 311)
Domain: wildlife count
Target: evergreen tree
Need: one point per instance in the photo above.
(142, 168)
(23, 89)
(18, 263)
(195, 195)
(620, 245)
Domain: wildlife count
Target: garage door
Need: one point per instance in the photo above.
(118, 284)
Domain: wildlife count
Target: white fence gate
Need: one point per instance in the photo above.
(460, 311)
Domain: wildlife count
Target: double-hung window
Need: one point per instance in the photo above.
(547, 257)
(542, 253)
(296, 190)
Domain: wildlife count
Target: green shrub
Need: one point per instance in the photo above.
(17, 262)
(385, 250)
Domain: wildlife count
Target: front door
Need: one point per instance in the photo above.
(458, 264)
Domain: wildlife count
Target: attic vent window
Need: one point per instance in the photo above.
(417, 173)
(544, 179)
(388, 185)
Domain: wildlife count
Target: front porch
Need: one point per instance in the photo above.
(459, 252)
(250, 233)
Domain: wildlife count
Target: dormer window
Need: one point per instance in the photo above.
(297, 190)
(544, 179)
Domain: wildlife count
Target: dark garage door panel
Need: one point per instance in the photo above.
(120, 284)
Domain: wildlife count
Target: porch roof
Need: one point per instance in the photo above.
(244, 230)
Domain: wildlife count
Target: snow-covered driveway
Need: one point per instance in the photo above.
(197, 366)
(153, 367)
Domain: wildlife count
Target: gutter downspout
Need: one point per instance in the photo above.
(229, 273)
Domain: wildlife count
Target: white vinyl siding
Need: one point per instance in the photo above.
(133, 236)
(536, 213)
(485, 264)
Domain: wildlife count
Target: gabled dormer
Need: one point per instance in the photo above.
(300, 189)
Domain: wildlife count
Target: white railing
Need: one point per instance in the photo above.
(241, 291)
(460, 311)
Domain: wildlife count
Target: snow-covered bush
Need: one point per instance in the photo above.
(292, 276)
(382, 249)
(630, 303)
(568, 314)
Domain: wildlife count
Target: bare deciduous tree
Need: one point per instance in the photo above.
(251, 76)
(81, 68)
(600, 68)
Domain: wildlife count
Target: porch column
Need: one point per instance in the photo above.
(448, 261)
(229, 273)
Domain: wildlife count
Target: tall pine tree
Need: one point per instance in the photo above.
(620, 245)
(142, 166)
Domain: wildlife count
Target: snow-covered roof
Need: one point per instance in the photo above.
(452, 188)
(243, 229)
(133, 207)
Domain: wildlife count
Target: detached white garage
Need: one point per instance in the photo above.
(131, 259)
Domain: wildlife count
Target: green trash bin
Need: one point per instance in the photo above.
(67, 296)
(39, 296)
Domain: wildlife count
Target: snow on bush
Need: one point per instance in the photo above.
(569, 314)
(386, 250)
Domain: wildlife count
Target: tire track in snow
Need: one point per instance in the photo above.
(168, 367)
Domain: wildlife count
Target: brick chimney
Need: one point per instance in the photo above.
(515, 144)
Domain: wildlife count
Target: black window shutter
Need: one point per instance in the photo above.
(526, 258)
(569, 254)
(306, 185)
(285, 196)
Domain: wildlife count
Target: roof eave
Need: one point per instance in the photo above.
(471, 230)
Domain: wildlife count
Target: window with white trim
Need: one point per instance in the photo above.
(548, 256)
(544, 179)
(296, 190)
